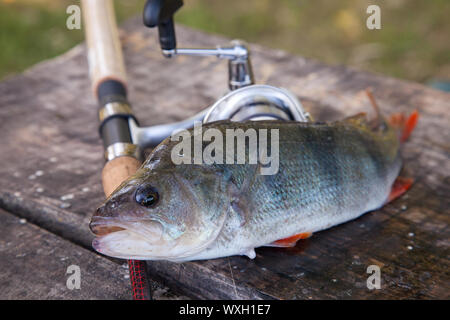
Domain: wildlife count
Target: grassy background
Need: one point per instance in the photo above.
(412, 44)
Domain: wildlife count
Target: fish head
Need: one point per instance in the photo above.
(168, 214)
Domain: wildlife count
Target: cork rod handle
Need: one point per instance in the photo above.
(103, 44)
(116, 171)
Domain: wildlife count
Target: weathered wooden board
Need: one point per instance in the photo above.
(34, 265)
(50, 149)
(34, 262)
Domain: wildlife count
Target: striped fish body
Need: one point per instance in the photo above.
(328, 174)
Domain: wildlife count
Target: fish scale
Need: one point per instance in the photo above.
(329, 173)
(329, 181)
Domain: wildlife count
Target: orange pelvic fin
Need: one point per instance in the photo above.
(405, 125)
(290, 241)
(400, 186)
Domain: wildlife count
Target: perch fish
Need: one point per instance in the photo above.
(329, 173)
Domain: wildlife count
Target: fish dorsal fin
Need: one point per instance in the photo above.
(378, 120)
(289, 241)
(359, 118)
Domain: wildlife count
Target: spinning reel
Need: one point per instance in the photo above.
(244, 101)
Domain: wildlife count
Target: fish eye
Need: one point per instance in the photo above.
(147, 196)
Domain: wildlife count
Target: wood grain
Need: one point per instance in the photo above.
(48, 124)
(34, 265)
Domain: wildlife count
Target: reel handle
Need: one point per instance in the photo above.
(160, 13)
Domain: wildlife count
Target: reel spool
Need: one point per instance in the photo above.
(257, 102)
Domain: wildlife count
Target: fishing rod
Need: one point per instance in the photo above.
(107, 72)
(123, 139)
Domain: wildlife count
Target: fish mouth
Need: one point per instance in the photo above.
(103, 226)
(152, 230)
(136, 240)
(126, 239)
(144, 240)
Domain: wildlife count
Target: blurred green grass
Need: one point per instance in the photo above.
(412, 44)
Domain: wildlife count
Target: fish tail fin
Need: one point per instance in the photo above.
(409, 126)
(405, 125)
